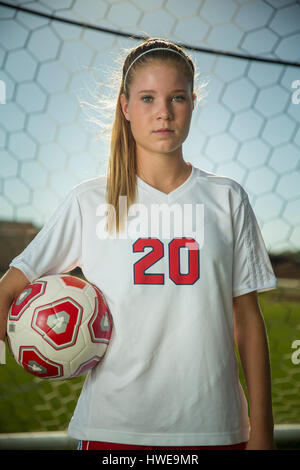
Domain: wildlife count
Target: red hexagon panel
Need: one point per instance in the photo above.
(83, 368)
(100, 325)
(58, 322)
(73, 281)
(37, 364)
(27, 296)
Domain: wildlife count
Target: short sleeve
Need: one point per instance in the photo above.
(57, 246)
(252, 269)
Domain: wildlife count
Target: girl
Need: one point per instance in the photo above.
(178, 254)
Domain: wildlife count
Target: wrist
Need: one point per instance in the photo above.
(262, 418)
(262, 431)
(262, 425)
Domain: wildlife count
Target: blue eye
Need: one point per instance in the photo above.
(181, 97)
(146, 98)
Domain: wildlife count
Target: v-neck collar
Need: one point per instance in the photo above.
(173, 194)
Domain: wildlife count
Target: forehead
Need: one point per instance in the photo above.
(159, 75)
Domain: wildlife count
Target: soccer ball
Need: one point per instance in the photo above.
(59, 327)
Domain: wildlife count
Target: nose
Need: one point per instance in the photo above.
(164, 110)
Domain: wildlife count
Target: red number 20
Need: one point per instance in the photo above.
(157, 252)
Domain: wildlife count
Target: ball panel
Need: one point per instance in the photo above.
(20, 334)
(58, 322)
(74, 281)
(100, 325)
(87, 365)
(37, 364)
(26, 297)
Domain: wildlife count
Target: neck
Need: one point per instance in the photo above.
(164, 173)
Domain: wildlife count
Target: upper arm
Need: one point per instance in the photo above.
(57, 247)
(246, 301)
(13, 282)
(246, 312)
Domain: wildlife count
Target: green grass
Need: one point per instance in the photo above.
(281, 312)
(30, 404)
(282, 317)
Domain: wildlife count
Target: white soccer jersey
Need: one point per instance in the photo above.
(170, 374)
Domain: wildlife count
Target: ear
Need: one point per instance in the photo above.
(124, 106)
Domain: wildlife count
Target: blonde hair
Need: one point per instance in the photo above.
(122, 165)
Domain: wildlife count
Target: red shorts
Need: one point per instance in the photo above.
(95, 445)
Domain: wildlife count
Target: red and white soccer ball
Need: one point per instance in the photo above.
(59, 327)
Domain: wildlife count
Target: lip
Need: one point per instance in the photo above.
(164, 131)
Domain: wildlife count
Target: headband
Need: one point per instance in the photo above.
(151, 50)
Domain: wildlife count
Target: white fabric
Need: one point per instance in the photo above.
(2, 352)
(170, 375)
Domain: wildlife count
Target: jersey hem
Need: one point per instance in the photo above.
(158, 439)
(246, 290)
(31, 275)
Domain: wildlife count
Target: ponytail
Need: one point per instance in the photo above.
(121, 173)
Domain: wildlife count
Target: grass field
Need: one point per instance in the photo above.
(30, 404)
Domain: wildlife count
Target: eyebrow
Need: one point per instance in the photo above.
(153, 91)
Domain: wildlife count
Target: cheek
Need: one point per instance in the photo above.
(184, 117)
(188, 114)
(137, 128)
(139, 120)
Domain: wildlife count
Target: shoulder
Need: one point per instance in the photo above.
(90, 185)
(88, 193)
(220, 185)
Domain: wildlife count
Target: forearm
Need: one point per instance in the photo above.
(5, 303)
(252, 344)
(11, 284)
(254, 355)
